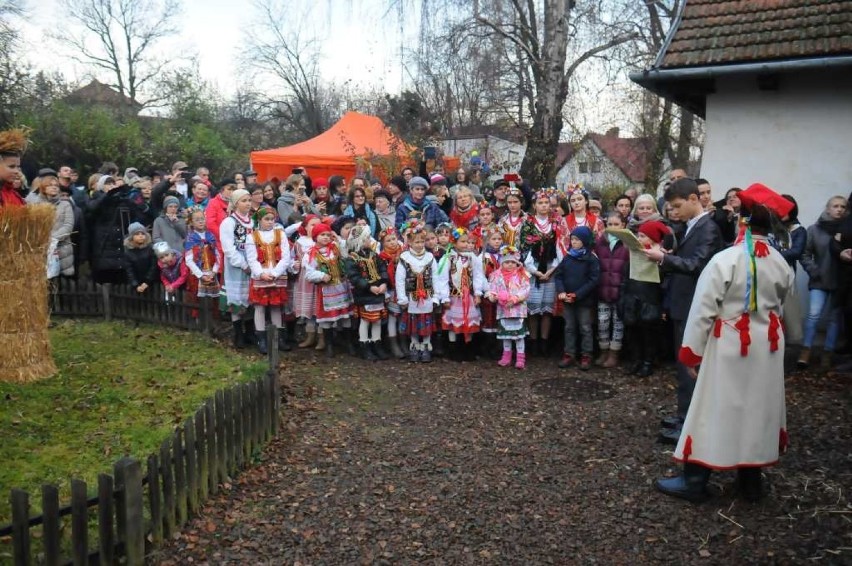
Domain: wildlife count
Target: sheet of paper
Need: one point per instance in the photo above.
(641, 268)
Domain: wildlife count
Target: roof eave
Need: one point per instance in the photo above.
(688, 86)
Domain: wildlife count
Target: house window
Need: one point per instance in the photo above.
(596, 166)
(584, 167)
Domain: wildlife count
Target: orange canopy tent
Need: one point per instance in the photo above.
(356, 144)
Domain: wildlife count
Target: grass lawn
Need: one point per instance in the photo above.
(120, 390)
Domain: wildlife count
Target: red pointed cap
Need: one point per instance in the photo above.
(758, 193)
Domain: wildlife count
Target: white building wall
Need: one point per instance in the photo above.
(588, 152)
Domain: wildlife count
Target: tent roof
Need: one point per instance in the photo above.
(353, 135)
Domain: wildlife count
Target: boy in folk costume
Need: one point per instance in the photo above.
(737, 418)
(368, 274)
(304, 291)
(391, 249)
(418, 290)
(324, 265)
(509, 287)
(173, 270)
(233, 234)
(466, 284)
(268, 255)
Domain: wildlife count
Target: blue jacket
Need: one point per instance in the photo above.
(430, 212)
(579, 276)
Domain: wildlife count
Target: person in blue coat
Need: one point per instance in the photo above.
(429, 212)
(576, 280)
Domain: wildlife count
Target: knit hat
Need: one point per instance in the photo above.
(357, 237)
(46, 172)
(418, 182)
(375, 181)
(584, 234)
(655, 230)
(319, 229)
(321, 182)
(162, 249)
(510, 253)
(102, 181)
(437, 180)
(398, 181)
(170, 199)
(237, 195)
(135, 228)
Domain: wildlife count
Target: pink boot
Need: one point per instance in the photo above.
(506, 360)
(521, 360)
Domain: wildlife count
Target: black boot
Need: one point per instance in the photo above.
(438, 348)
(238, 334)
(261, 341)
(454, 351)
(750, 484)
(248, 334)
(351, 337)
(330, 337)
(367, 351)
(379, 351)
(646, 368)
(690, 485)
(283, 343)
(291, 337)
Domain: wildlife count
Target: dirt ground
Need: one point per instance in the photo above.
(452, 463)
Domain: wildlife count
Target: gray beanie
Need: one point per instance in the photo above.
(170, 199)
(418, 182)
(135, 228)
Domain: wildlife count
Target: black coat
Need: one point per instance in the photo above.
(110, 214)
(140, 264)
(579, 276)
(684, 266)
(359, 278)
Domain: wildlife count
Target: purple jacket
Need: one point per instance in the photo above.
(613, 263)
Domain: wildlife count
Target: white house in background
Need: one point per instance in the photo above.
(501, 155)
(601, 161)
(774, 85)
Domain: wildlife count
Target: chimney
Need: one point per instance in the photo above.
(612, 132)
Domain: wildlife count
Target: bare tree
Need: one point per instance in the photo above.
(544, 32)
(118, 38)
(304, 103)
(12, 77)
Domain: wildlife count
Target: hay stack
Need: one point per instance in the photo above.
(24, 341)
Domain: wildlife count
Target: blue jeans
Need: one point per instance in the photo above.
(819, 301)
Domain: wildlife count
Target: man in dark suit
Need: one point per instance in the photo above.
(699, 242)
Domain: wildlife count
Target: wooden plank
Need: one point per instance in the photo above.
(276, 402)
(221, 446)
(265, 406)
(106, 519)
(20, 501)
(105, 295)
(155, 501)
(50, 526)
(191, 464)
(79, 523)
(237, 394)
(129, 510)
(252, 395)
(169, 511)
(210, 435)
(246, 418)
(203, 471)
(180, 476)
(230, 455)
(272, 341)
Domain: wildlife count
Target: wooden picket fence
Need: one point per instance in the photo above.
(135, 510)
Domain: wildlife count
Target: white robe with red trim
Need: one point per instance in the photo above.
(737, 417)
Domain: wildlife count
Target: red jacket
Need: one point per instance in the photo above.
(10, 197)
(216, 212)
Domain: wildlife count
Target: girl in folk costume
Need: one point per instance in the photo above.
(443, 233)
(539, 236)
(490, 261)
(234, 231)
(304, 293)
(511, 222)
(418, 290)
(485, 226)
(465, 211)
(201, 255)
(268, 255)
(509, 288)
(466, 283)
(173, 270)
(580, 214)
(368, 274)
(737, 418)
(324, 265)
(391, 249)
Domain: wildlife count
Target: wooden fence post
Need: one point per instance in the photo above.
(106, 288)
(50, 528)
(190, 464)
(168, 488)
(272, 346)
(20, 501)
(106, 519)
(131, 523)
(276, 401)
(180, 476)
(201, 455)
(229, 432)
(210, 435)
(155, 502)
(79, 523)
(221, 448)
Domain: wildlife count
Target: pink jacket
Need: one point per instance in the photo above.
(515, 291)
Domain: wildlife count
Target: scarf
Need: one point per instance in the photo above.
(464, 217)
(171, 272)
(829, 225)
(577, 253)
(391, 257)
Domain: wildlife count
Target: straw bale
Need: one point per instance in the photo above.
(24, 339)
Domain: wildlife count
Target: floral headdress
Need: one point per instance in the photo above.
(389, 231)
(549, 192)
(510, 253)
(576, 188)
(444, 226)
(515, 192)
(191, 211)
(457, 233)
(411, 227)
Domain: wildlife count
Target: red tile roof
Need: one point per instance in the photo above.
(713, 32)
(630, 155)
(564, 152)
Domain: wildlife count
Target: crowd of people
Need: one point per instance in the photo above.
(464, 268)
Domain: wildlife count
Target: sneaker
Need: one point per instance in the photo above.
(566, 361)
(585, 362)
(425, 356)
(413, 355)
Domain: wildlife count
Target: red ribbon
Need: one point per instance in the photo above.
(774, 327)
(745, 337)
